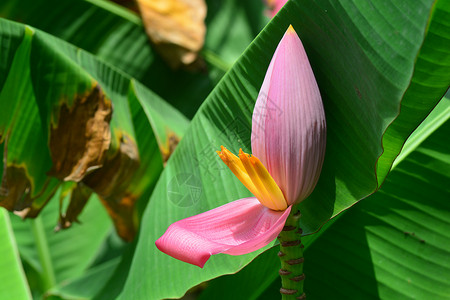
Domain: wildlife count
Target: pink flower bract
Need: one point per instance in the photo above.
(288, 125)
(236, 228)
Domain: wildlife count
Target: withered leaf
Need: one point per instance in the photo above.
(81, 137)
(15, 188)
(79, 196)
(176, 28)
(111, 183)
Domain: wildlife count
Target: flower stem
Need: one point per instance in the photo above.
(291, 257)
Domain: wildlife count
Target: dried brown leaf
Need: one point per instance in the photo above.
(81, 137)
(176, 28)
(15, 188)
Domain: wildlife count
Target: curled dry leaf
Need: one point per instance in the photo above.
(176, 28)
(111, 183)
(79, 139)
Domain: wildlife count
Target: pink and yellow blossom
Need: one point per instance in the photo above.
(288, 145)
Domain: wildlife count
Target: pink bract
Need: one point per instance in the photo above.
(288, 125)
(236, 228)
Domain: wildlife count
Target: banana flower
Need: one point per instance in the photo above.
(288, 145)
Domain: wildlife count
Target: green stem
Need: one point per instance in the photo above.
(291, 257)
(47, 274)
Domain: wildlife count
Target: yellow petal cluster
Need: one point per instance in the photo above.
(254, 175)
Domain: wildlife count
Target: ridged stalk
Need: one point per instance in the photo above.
(291, 256)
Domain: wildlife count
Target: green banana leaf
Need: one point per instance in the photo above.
(14, 283)
(396, 242)
(343, 260)
(364, 69)
(91, 283)
(23, 171)
(430, 80)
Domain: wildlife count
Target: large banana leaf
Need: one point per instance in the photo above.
(395, 244)
(23, 171)
(364, 58)
(343, 260)
(85, 121)
(120, 40)
(14, 283)
(430, 79)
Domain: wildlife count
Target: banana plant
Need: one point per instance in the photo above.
(376, 218)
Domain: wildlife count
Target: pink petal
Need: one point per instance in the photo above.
(289, 129)
(236, 228)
